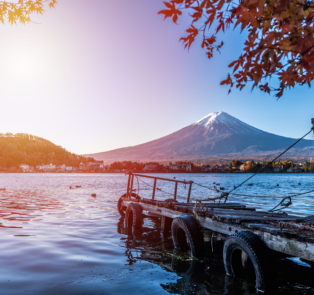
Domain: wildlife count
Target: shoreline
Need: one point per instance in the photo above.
(153, 172)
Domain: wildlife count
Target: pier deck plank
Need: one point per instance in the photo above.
(228, 219)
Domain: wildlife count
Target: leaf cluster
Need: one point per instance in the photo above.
(280, 41)
(21, 12)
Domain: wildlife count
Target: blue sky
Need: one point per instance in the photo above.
(97, 75)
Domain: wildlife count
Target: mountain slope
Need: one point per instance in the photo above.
(32, 150)
(217, 134)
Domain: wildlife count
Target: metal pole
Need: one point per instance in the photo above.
(154, 190)
(190, 189)
(175, 191)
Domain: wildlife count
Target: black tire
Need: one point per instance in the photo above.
(133, 217)
(121, 209)
(187, 235)
(258, 260)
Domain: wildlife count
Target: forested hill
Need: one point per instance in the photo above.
(20, 148)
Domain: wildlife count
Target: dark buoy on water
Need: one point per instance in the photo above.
(299, 183)
(174, 178)
(71, 187)
(94, 195)
(78, 186)
(277, 184)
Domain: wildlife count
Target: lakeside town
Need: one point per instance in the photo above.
(235, 166)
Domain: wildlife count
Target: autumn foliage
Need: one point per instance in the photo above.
(21, 148)
(280, 41)
(21, 12)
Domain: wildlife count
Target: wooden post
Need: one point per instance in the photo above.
(131, 188)
(175, 191)
(165, 225)
(189, 194)
(127, 193)
(154, 189)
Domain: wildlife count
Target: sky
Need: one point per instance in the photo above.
(97, 75)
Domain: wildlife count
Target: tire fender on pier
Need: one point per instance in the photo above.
(187, 235)
(245, 253)
(121, 209)
(133, 216)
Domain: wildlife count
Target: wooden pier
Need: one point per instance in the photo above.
(249, 235)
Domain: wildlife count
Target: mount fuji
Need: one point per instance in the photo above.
(217, 135)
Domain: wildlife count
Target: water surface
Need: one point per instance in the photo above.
(57, 240)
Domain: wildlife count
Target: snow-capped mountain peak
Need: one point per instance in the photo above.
(218, 135)
(222, 122)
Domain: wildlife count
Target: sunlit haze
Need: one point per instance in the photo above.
(93, 76)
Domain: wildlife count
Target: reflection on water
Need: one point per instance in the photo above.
(60, 240)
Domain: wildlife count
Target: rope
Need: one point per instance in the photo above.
(251, 196)
(272, 160)
(282, 204)
(204, 208)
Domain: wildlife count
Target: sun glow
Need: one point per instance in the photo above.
(24, 66)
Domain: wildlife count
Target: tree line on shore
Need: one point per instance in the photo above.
(21, 148)
(234, 166)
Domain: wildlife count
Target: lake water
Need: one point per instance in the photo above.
(57, 240)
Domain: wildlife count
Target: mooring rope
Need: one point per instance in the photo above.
(291, 146)
(251, 196)
(224, 195)
(283, 204)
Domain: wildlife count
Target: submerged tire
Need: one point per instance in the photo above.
(121, 209)
(187, 235)
(245, 253)
(133, 217)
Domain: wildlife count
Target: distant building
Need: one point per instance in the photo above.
(150, 166)
(24, 167)
(62, 167)
(185, 166)
(68, 168)
(46, 168)
(101, 164)
(242, 167)
(92, 166)
(82, 166)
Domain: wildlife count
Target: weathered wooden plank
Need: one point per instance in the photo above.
(273, 240)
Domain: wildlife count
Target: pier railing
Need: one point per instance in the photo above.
(131, 180)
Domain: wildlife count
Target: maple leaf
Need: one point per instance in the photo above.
(278, 31)
(192, 31)
(171, 11)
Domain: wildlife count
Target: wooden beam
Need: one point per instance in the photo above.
(175, 192)
(128, 189)
(131, 188)
(166, 179)
(154, 189)
(165, 225)
(275, 242)
(189, 194)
